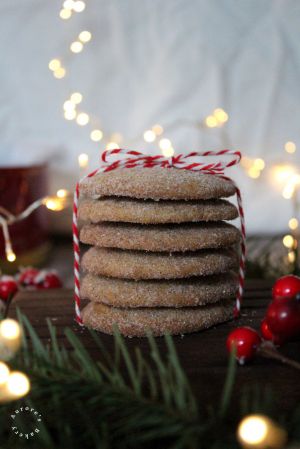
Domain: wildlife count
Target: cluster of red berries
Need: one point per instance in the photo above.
(28, 278)
(281, 323)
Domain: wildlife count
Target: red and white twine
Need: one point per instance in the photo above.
(130, 159)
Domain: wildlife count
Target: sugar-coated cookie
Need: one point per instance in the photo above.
(137, 322)
(196, 291)
(145, 265)
(166, 237)
(157, 183)
(149, 211)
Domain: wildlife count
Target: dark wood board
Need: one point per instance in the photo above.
(203, 355)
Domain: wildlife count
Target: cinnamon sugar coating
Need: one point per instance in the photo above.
(157, 183)
(166, 238)
(142, 265)
(196, 291)
(137, 322)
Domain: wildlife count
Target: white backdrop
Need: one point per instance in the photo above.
(154, 61)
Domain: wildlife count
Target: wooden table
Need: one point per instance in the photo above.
(203, 355)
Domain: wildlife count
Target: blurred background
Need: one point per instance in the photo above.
(159, 76)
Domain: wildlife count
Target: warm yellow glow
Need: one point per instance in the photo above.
(69, 105)
(85, 36)
(60, 73)
(82, 119)
(293, 223)
(76, 98)
(211, 121)
(168, 152)
(4, 373)
(282, 173)
(157, 129)
(54, 203)
(149, 136)
(76, 47)
(288, 241)
(70, 114)
(68, 4)
(253, 430)
(83, 160)
(10, 329)
(79, 6)
(65, 13)
(253, 172)
(96, 135)
(18, 384)
(62, 193)
(220, 115)
(165, 144)
(259, 164)
(54, 64)
(290, 147)
(291, 256)
(112, 146)
(10, 256)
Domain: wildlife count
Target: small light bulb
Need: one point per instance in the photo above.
(165, 144)
(54, 64)
(83, 160)
(253, 172)
(293, 223)
(168, 152)
(96, 135)
(149, 136)
(76, 47)
(18, 384)
(253, 430)
(112, 146)
(259, 164)
(291, 256)
(290, 147)
(62, 193)
(85, 36)
(76, 98)
(79, 6)
(82, 119)
(157, 129)
(288, 241)
(4, 373)
(65, 14)
(59, 73)
(10, 329)
(220, 115)
(68, 4)
(211, 121)
(11, 257)
(70, 114)
(69, 105)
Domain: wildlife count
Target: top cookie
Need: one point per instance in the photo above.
(157, 183)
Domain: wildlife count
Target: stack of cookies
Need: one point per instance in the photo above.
(162, 258)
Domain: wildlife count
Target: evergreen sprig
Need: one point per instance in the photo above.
(119, 401)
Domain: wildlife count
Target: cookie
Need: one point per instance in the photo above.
(158, 184)
(137, 322)
(159, 293)
(155, 212)
(141, 265)
(166, 238)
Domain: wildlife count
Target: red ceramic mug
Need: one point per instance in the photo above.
(20, 187)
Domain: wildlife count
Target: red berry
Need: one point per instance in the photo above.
(267, 334)
(286, 287)
(8, 287)
(47, 280)
(283, 318)
(27, 277)
(246, 341)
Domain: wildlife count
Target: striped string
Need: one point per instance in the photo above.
(120, 158)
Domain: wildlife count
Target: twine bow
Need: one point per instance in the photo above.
(120, 158)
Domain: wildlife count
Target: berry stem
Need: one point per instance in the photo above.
(268, 350)
(7, 304)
